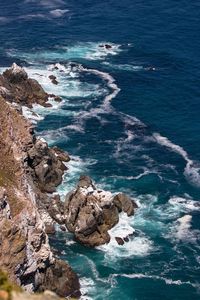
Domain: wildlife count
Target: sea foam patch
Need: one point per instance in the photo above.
(136, 246)
(88, 51)
(192, 169)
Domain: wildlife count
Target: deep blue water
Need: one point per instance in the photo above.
(139, 134)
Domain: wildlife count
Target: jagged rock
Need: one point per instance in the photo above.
(63, 156)
(56, 209)
(50, 228)
(47, 165)
(90, 213)
(125, 203)
(25, 252)
(15, 74)
(53, 79)
(61, 279)
(119, 240)
(63, 228)
(126, 239)
(15, 86)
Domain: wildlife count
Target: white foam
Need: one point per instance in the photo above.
(124, 67)
(137, 246)
(192, 169)
(57, 13)
(183, 227)
(87, 286)
(168, 281)
(30, 115)
(110, 83)
(184, 204)
(76, 167)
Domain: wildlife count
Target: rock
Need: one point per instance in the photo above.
(119, 240)
(85, 182)
(90, 213)
(25, 253)
(50, 228)
(61, 279)
(63, 156)
(15, 86)
(47, 164)
(53, 79)
(126, 239)
(106, 46)
(125, 203)
(56, 209)
(63, 228)
(15, 74)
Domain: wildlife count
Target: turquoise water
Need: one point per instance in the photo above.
(130, 119)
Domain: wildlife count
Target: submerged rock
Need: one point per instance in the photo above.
(119, 240)
(53, 79)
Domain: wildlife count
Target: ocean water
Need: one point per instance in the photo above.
(130, 119)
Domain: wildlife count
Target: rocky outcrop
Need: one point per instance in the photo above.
(28, 170)
(91, 212)
(15, 86)
(47, 165)
(10, 291)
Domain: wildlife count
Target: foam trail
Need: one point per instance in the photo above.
(110, 82)
(191, 172)
(155, 277)
(124, 67)
(184, 224)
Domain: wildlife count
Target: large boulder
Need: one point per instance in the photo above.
(59, 278)
(90, 213)
(125, 203)
(15, 86)
(47, 165)
(15, 74)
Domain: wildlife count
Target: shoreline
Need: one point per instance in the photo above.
(87, 212)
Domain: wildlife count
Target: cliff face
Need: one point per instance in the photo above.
(28, 169)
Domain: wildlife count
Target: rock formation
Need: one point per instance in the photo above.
(29, 170)
(90, 212)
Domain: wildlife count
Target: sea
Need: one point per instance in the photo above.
(128, 74)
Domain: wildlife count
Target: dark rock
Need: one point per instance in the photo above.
(53, 79)
(126, 239)
(125, 203)
(17, 87)
(47, 164)
(63, 228)
(15, 74)
(61, 279)
(119, 240)
(84, 181)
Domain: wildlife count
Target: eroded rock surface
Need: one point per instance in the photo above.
(15, 86)
(91, 212)
(28, 170)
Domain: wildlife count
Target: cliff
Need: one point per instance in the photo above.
(28, 170)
